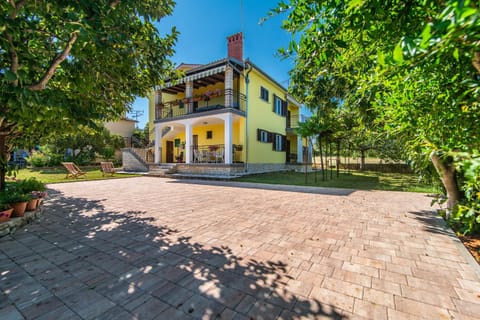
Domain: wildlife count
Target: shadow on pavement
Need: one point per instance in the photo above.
(265, 186)
(119, 264)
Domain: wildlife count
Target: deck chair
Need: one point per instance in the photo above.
(73, 170)
(107, 168)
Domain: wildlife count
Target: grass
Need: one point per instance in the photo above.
(352, 180)
(57, 175)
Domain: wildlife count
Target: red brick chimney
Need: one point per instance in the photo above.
(235, 46)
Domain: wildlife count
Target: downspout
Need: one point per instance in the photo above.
(247, 81)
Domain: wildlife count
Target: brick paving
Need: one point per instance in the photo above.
(150, 248)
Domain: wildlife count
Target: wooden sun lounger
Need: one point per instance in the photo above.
(73, 170)
(107, 168)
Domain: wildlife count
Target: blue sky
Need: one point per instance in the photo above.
(204, 26)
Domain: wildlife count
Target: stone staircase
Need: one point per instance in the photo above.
(161, 170)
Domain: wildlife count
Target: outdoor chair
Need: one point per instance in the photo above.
(107, 168)
(219, 156)
(73, 170)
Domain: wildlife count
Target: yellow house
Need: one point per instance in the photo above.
(225, 117)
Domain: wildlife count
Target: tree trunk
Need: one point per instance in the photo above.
(446, 170)
(362, 160)
(3, 161)
(321, 157)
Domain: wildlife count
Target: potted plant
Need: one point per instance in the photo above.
(5, 212)
(17, 200)
(33, 187)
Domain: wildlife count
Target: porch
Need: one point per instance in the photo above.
(216, 137)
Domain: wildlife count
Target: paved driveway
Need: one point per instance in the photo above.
(151, 248)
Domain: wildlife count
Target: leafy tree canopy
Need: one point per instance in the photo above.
(411, 68)
(65, 63)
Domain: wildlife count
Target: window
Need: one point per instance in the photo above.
(264, 94)
(279, 106)
(177, 143)
(263, 136)
(209, 134)
(279, 142)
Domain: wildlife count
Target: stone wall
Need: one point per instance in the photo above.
(253, 168)
(215, 169)
(10, 226)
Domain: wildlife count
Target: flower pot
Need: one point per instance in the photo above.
(19, 208)
(32, 204)
(5, 215)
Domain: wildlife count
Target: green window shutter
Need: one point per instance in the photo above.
(259, 135)
(284, 108)
(284, 143)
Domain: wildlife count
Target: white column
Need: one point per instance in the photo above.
(299, 149)
(189, 95)
(188, 142)
(228, 138)
(158, 137)
(228, 87)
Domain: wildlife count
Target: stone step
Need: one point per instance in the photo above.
(161, 170)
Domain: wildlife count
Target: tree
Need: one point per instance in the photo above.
(410, 66)
(68, 63)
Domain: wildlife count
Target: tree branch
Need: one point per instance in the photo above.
(16, 7)
(55, 63)
(476, 61)
(114, 3)
(13, 57)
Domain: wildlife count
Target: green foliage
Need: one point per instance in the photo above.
(466, 215)
(29, 185)
(13, 195)
(409, 73)
(69, 63)
(82, 146)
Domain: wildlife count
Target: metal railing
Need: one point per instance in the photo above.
(213, 153)
(293, 121)
(208, 101)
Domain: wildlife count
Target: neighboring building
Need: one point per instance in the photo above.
(123, 127)
(227, 116)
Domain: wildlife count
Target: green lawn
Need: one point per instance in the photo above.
(56, 175)
(352, 180)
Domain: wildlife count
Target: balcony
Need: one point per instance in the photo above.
(200, 103)
(293, 121)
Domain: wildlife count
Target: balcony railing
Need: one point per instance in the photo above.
(293, 121)
(213, 153)
(208, 101)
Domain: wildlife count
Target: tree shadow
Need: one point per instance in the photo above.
(148, 270)
(265, 186)
(433, 222)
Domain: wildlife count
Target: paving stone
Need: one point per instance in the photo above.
(87, 303)
(198, 306)
(420, 309)
(150, 309)
(47, 305)
(172, 246)
(10, 313)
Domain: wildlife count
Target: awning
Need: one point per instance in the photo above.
(195, 76)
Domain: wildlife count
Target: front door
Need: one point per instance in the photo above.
(169, 151)
(288, 151)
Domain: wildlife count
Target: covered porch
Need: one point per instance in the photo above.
(215, 138)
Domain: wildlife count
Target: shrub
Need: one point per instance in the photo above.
(37, 159)
(29, 185)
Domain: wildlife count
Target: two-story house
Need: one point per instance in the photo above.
(226, 117)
